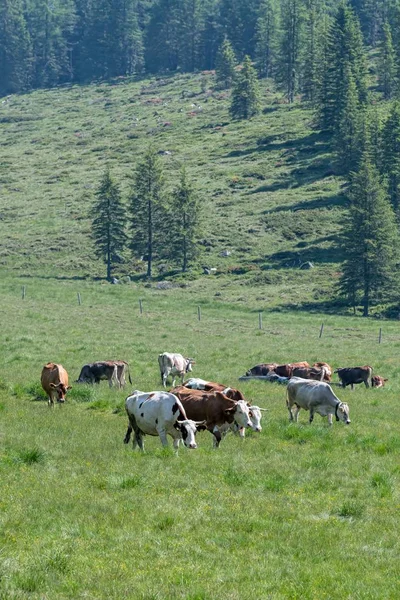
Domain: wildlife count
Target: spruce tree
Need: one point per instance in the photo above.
(265, 48)
(108, 227)
(225, 64)
(391, 155)
(387, 63)
(185, 222)
(147, 207)
(347, 141)
(245, 101)
(292, 18)
(370, 240)
(15, 49)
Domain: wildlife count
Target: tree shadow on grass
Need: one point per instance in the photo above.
(313, 253)
(329, 201)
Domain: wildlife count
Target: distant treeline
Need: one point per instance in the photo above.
(44, 43)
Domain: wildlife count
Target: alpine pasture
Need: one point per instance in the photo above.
(296, 511)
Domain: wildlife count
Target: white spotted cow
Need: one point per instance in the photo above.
(173, 364)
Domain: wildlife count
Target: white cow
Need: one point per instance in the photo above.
(317, 397)
(194, 383)
(159, 413)
(173, 364)
(255, 419)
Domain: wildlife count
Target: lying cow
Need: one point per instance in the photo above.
(328, 370)
(354, 375)
(261, 370)
(162, 414)
(54, 380)
(309, 373)
(173, 364)
(214, 408)
(378, 381)
(317, 397)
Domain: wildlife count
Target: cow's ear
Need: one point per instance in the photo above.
(69, 387)
(201, 426)
(230, 411)
(52, 385)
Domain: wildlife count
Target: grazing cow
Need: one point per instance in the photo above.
(211, 386)
(54, 380)
(317, 397)
(309, 373)
(159, 413)
(255, 413)
(214, 408)
(378, 381)
(173, 364)
(98, 371)
(353, 375)
(328, 370)
(261, 370)
(122, 371)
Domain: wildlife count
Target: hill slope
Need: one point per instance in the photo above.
(271, 199)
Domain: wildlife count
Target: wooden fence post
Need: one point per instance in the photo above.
(140, 306)
(23, 292)
(260, 320)
(321, 330)
(380, 335)
(79, 299)
(199, 313)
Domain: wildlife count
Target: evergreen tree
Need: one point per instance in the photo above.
(15, 52)
(184, 231)
(209, 36)
(387, 63)
(225, 64)
(347, 141)
(312, 48)
(391, 155)
(148, 212)
(108, 226)
(292, 18)
(238, 19)
(266, 39)
(370, 240)
(245, 101)
(344, 51)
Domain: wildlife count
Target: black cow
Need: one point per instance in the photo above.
(353, 375)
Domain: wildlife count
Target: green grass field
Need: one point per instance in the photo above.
(297, 511)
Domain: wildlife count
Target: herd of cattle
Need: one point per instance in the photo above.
(197, 405)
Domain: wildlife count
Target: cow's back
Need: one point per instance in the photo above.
(53, 373)
(200, 406)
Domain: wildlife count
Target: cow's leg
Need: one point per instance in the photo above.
(290, 411)
(330, 419)
(366, 383)
(128, 434)
(173, 382)
(163, 436)
(139, 440)
(352, 386)
(217, 437)
(311, 415)
(296, 414)
(51, 401)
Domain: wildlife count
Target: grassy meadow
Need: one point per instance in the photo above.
(296, 511)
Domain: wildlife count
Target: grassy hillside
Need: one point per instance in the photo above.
(270, 195)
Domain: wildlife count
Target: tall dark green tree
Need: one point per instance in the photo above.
(370, 240)
(266, 38)
(225, 64)
(292, 20)
(15, 50)
(238, 20)
(108, 227)
(387, 63)
(344, 51)
(184, 233)
(315, 27)
(148, 211)
(245, 100)
(348, 137)
(391, 155)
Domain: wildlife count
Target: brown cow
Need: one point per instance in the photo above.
(377, 381)
(328, 370)
(353, 375)
(216, 409)
(261, 370)
(54, 381)
(210, 386)
(308, 373)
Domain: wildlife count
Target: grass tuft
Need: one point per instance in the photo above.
(30, 456)
(351, 509)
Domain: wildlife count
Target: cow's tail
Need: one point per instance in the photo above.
(370, 373)
(182, 415)
(129, 373)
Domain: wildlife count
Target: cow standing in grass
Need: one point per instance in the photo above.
(173, 364)
(316, 397)
(54, 380)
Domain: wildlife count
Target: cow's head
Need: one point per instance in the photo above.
(188, 429)
(241, 414)
(342, 412)
(61, 390)
(255, 418)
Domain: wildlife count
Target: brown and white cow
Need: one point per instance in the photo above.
(316, 397)
(214, 408)
(354, 375)
(173, 364)
(328, 370)
(54, 380)
(261, 370)
(309, 373)
(378, 381)
(211, 386)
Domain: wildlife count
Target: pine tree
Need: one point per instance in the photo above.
(225, 64)
(370, 240)
(245, 101)
(312, 48)
(292, 18)
(344, 50)
(185, 222)
(347, 141)
(148, 211)
(265, 47)
(391, 155)
(387, 63)
(15, 50)
(108, 228)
